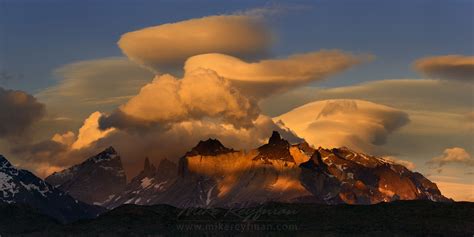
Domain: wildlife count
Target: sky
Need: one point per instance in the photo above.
(86, 73)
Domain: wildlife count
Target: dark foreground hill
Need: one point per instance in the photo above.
(399, 218)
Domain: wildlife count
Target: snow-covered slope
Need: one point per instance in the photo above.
(23, 187)
(94, 180)
(146, 186)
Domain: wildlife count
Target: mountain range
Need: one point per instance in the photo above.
(19, 186)
(212, 175)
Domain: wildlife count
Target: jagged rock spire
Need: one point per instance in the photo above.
(315, 162)
(276, 149)
(148, 167)
(275, 138)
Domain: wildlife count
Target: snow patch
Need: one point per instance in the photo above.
(350, 175)
(146, 182)
(7, 186)
(160, 185)
(31, 187)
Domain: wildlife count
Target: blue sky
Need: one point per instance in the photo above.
(39, 36)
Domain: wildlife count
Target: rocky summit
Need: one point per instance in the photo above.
(94, 180)
(209, 147)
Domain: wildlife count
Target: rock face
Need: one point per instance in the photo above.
(210, 147)
(93, 181)
(213, 175)
(276, 149)
(150, 183)
(22, 187)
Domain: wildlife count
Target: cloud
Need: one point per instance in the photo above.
(407, 94)
(457, 191)
(91, 85)
(67, 138)
(408, 164)
(180, 137)
(90, 132)
(200, 94)
(437, 110)
(61, 150)
(169, 45)
(18, 112)
(357, 124)
(156, 143)
(454, 155)
(470, 116)
(168, 115)
(41, 151)
(457, 67)
(264, 77)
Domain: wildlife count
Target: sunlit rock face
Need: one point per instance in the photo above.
(94, 180)
(214, 175)
(344, 176)
(22, 187)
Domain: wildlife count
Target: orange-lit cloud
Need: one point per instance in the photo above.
(457, 67)
(90, 132)
(408, 94)
(454, 155)
(360, 125)
(439, 113)
(273, 75)
(169, 45)
(67, 138)
(200, 94)
(179, 137)
(168, 115)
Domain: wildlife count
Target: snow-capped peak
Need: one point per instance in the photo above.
(21, 186)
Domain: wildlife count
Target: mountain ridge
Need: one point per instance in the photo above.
(93, 180)
(19, 186)
(281, 172)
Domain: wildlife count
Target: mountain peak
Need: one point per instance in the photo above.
(108, 154)
(314, 162)
(275, 138)
(276, 149)
(209, 147)
(4, 163)
(103, 172)
(110, 150)
(148, 167)
(19, 186)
